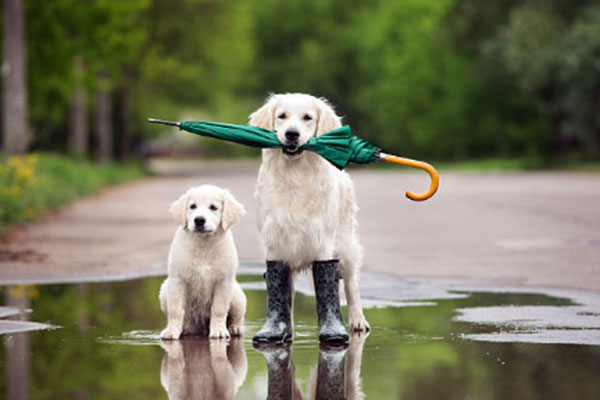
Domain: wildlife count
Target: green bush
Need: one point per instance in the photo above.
(33, 184)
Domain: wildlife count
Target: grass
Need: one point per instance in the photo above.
(521, 164)
(492, 164)
(506, 165)
(32, 184)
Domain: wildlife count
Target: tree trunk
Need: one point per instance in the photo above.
(125, 119)
(17, 351)
(14, 113)
(103, 120)
(78, 120)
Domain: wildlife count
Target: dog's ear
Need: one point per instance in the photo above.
(328, 120)
(232, 211)
(178, 209)
(263, 117)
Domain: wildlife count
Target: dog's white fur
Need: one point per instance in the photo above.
(201, 294)
(306, 206)
(199, 369)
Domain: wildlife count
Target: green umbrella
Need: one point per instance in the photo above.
(339, 146)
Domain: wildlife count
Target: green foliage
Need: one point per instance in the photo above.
(547, 54)
(33, 184)
(443, 79)
(105, 34)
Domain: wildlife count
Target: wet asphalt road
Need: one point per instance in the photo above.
(508, 229)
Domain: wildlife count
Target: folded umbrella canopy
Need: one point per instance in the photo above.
(339, 146)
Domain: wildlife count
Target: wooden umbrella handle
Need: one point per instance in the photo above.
(435, 178)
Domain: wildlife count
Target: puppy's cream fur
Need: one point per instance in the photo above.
(201, 294)
(306, 206)
(198, 369)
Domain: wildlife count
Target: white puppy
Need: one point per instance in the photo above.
(201, 294)
(306, 206)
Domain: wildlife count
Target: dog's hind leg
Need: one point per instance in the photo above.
(237, 310)
(162, 296)
(350, 253)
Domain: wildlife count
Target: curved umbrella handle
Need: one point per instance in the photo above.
(435, 178)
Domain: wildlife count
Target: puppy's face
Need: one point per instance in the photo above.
(206, 210)
(296, 118)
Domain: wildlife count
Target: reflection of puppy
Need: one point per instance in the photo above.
(200, 369)
(201, 294)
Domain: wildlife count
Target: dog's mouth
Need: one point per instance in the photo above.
(200, 230)
(292, 152)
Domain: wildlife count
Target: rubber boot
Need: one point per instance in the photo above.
(280, 368)
(331, 320)
(278, 326)
(331, 379)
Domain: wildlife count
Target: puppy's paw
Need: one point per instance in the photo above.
(170, 333)
(220, 332)
(173, 348)
(358, 323)
(236, 330)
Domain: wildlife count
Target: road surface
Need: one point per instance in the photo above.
(516, 229)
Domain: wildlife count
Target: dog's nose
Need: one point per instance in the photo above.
(292, 135)
(199, 221)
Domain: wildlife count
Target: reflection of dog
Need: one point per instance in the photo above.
(306, 206)
(201, 294)
(337, 376)
(201, 369)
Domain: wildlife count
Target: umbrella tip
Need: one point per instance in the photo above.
(160, 121)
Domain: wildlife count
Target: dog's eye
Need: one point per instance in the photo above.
(307, 117)
(213, 207)
(193, 206)
(282, 116)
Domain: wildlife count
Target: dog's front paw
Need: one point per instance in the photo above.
(358, 323)
(220, 332)
(236, 330)
(170, 333)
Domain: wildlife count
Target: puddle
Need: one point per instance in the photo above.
(447, 341)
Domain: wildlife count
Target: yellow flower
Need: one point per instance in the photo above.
(14, 191)
(23, 291)
(32, 159)
(24, 173)
(15, 162)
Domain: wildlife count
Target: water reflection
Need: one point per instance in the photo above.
(336, 377)
(197, 368)
(108, 348)
(17, 347)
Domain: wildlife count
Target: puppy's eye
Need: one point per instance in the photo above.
(307, 117)
(192, 206)
(282, 116)
(213, 207)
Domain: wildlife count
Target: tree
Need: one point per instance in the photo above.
(14, 112)
(79, 122)
(103, 126)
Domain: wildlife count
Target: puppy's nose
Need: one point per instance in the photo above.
(292, 135)
(199, 221)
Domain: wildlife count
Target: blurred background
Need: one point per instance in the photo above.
(511, 83)
(434, 79)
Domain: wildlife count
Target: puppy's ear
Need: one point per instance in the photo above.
(178, 208)
(232, 211)
(263, 117)
(328, 120)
